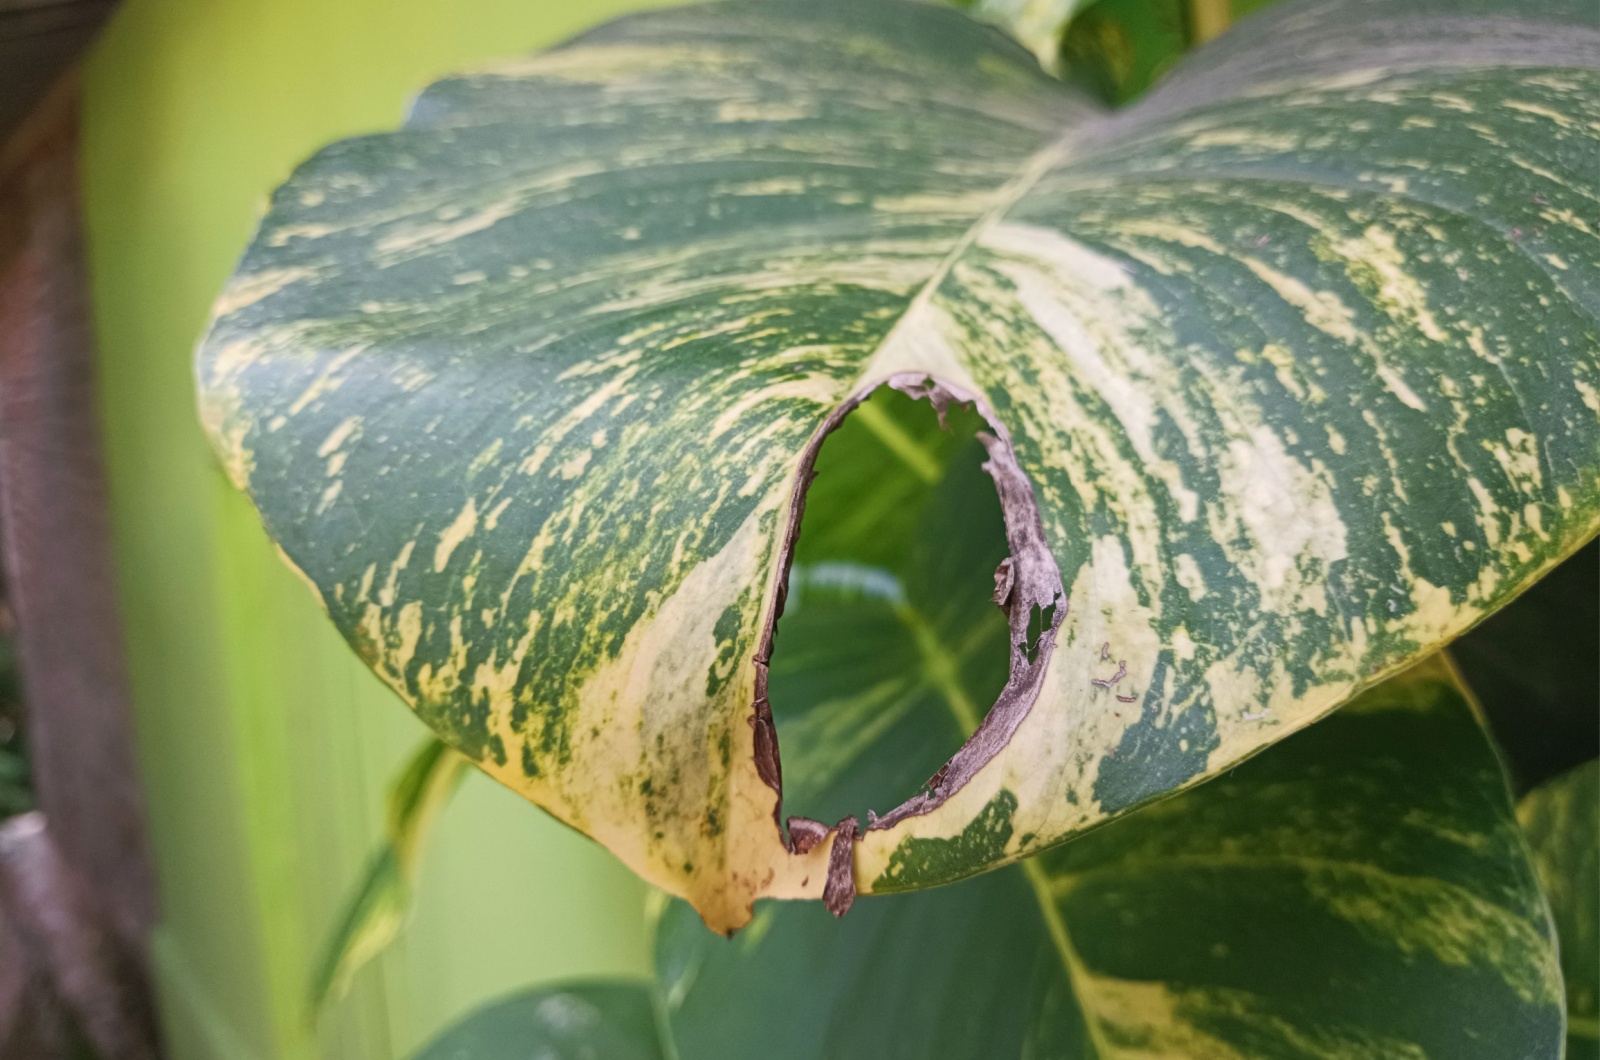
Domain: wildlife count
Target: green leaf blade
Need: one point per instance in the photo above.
(527, 388)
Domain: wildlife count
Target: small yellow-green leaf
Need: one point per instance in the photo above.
(418, 795)
(378, 907)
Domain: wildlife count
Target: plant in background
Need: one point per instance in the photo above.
(1259, 392)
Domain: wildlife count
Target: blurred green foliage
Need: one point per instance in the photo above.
(16, 796)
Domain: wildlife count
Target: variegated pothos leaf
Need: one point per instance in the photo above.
(1293, 373)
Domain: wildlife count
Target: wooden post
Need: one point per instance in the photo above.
(57, 556)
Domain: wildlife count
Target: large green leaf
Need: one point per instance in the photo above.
(1562, 818)
(1292, 374)
(1359, 890)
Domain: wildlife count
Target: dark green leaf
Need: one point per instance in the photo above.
(1119, 48)
(1535, 668)
(15, 794)
(578, 1021)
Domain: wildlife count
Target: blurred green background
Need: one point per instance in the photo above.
(266, 747)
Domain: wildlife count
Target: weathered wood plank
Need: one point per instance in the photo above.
(56, 538)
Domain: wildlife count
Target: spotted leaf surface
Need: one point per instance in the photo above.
(1291, 374)
(1359, 890)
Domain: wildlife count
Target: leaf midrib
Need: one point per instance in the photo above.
(940, 665)
(1008, 195)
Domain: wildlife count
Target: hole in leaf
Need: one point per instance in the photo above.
(1039, 621)
(1119, 48)
(891, 647)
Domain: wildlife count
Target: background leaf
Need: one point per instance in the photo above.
(580, 1021)
(1562, 819)
(1362, 882)
(1119, 48)
(889, 612)
(1534, 667)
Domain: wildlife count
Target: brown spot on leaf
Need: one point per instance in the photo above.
(1107, 682)
(1005, 579)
